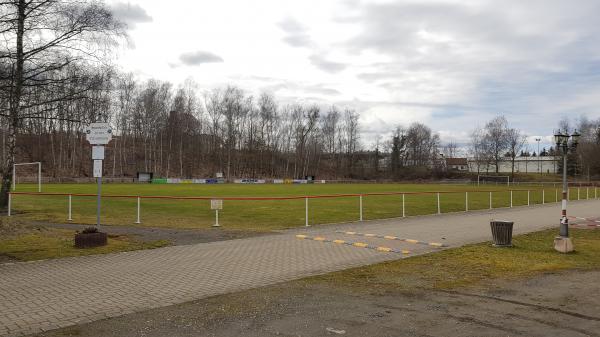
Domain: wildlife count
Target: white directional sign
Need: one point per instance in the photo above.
(97, 168)
(97, 152)
(98, 133)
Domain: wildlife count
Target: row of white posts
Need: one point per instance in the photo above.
(360, 203)
(439, 206)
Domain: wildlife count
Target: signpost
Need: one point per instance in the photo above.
(216, 205)
(98, 135)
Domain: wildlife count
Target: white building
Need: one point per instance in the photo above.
(548, 164)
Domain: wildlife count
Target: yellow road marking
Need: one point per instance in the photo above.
(360, 244)
(350, 233)
(369, 235)
(339, 241)
(301, 236)
(435, 244)
(390, 237)
(412, 241)
(384, 249)
(406, 252)
(318, 238)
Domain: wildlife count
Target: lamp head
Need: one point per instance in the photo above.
(575, 138)
(558, 138)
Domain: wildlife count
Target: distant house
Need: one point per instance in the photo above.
(457, 164)
(524, 164)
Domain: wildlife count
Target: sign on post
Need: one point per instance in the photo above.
(98, 133)
(216, 205)
(97, 152)
(97, 168)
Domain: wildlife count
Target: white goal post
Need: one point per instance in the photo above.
(487, 179)
(14, 179)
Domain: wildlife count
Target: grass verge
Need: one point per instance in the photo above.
(470, 265)
(40, 243)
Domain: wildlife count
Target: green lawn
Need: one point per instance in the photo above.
(264, 214)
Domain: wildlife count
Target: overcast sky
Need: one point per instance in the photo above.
(452, 65)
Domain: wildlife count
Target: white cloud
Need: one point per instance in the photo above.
(448, 63)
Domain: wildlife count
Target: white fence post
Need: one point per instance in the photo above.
(543, 197)
(138, 212)
(466, 201)
(490, 200)
(403, 208)
(578, 188)
(511, 198)
(361, 207)
(306, 212)
(528, 197)
(438, 201)
(70, 213)
(9, 202)
(40, 177)
(555, 195)
(587, 193)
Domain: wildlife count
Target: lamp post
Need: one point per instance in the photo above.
(539, 157)
(562, 243)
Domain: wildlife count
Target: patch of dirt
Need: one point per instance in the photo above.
(175, 236)
(11, 227)
(547, 305)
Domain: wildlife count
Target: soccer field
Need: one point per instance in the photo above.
(419, 199)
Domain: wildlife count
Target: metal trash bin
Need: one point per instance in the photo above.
(502, 233)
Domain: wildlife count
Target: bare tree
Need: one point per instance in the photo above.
(40, 39)
(516, 142)
(495, 137)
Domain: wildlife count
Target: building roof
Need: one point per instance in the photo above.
(456, 161)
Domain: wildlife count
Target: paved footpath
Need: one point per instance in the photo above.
(44, 295)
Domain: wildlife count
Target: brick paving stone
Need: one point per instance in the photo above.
(41, 295)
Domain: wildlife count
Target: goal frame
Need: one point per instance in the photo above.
(479, 176)
(14, 175)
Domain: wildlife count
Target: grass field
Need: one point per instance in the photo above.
(265, 214)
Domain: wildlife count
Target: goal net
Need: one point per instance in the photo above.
(492, 180)
(28, 173)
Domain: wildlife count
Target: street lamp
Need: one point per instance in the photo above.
(563, 243)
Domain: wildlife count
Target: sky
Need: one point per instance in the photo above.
(452, 65)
